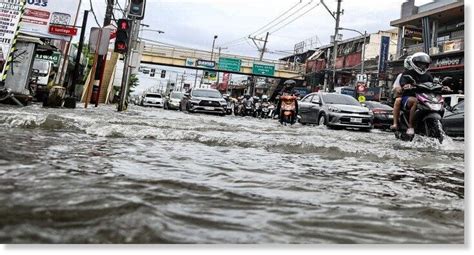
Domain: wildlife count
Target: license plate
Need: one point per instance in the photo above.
(209, 108)
(356, 120)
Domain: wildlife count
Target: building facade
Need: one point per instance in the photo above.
(436, 28)
(349, 60)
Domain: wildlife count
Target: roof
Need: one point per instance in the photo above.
(443, 14)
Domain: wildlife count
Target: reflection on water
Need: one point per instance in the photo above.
(153, 176)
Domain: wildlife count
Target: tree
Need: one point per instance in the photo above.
(133, 82)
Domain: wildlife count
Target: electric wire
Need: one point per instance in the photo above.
(281, 15)
(293, 20)
(93, 13)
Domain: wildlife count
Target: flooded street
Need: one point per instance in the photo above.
(155, 176)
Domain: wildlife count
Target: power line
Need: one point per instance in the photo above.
(281, 15)
(292, 15)
(293, 20)
(93, 13)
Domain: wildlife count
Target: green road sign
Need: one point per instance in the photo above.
(230, 64)
(261, 69)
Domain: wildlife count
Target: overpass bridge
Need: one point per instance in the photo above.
(199, 59)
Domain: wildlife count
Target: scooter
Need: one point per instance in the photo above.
(288, 113)
(247, 108)
(430, 111)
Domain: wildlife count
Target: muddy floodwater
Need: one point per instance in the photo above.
(155, 176)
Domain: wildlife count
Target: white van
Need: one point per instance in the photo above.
(42, 69)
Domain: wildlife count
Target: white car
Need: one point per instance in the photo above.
(153, 99)
(452, 100)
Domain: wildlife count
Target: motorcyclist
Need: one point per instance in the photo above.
(245, 99)
(397, 93)
(419, 63)
(287, 91)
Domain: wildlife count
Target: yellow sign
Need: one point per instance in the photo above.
(362, 99)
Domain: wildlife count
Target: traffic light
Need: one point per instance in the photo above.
(163, 74)
(137, 9)
(123, 34)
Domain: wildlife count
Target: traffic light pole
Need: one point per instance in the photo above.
(126, 71)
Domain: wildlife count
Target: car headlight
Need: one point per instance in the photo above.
(333, 109)
(195, 101)
(371, 113)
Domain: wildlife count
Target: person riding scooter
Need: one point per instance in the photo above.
(419, 63)
(288, 91)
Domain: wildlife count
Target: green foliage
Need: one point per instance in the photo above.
(133, 82)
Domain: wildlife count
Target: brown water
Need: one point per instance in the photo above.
(153, 176)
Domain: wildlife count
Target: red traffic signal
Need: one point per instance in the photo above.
(123, 36)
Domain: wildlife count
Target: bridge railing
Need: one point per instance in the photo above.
(184, 53)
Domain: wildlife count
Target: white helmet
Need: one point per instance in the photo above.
(420, 62)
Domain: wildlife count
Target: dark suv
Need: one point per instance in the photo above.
(204, 101)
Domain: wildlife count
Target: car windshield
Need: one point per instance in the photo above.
(207, 93)
(376, 105)
(153, 96)
(41, 66)
(339, 99)
(177, 95)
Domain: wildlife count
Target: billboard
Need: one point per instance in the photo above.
(40, 14)
(10, 15)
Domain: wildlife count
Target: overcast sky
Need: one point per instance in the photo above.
(193, 23)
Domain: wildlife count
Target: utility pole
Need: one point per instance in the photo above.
(70, 101)
(218, 73)
(262, 52)
(336, 33)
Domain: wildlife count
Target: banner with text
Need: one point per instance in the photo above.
(41, 14)
(10, 15)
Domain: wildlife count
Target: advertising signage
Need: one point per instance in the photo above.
(384, 54)
(40, 15)
(10, 13)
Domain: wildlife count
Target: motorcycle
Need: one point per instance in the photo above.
(288, 113)
(266, 111)
(428, 115)
(258, 110)
(247, 108)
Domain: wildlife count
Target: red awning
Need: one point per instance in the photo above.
(446, 67)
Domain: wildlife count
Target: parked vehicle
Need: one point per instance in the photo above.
(153, 99)
(288, 114)
(383, 114)
(453, 121)
(452, 99)
(430, 109)
(41, 76)
(204, 101)
(335, 111)
(173, 101)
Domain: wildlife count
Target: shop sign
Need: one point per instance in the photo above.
(413, 33)
(41, 14)
(55, 58)
(448, 61)
(190, 62)
(454, 45)
(206, 64)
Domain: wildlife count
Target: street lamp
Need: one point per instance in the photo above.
(213, 45)
(363, 46)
